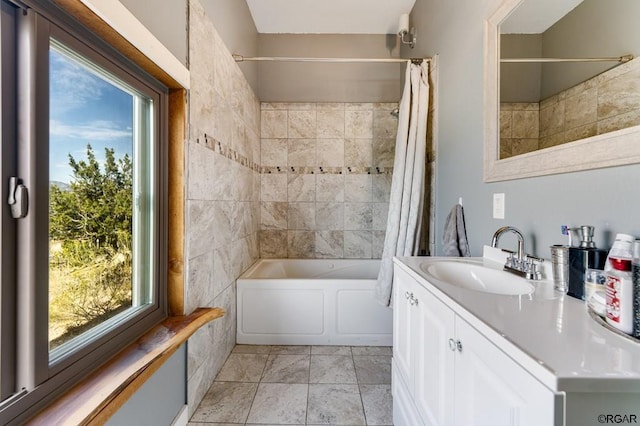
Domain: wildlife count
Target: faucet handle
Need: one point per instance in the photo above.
(533, 258)
(511, 260)
(531, 268)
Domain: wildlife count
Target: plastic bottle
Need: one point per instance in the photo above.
(622, 248)
(636, 288)
(620, 295)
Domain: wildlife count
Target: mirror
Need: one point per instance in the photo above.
(571, 115)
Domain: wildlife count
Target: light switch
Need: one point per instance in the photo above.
(498, 206)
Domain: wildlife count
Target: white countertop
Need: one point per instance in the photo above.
(548, 333)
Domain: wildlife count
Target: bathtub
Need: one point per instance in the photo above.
(312, 302)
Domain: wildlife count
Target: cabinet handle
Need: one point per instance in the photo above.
(459, 345)
(452, 344)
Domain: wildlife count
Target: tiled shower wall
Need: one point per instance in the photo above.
(326, 177)
(605, 103)
(222, 191)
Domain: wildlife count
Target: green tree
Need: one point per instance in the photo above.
(90, 230)
(98, 206)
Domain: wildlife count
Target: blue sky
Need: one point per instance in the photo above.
(84, 109)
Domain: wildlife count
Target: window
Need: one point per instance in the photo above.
(82, 263)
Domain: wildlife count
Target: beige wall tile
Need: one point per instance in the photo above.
(319, 222)
(273, 244)
(522, 146)
(377, 244)
(301, 244)
(329, 244)
(330, 106)
(273, 215)
(302, 124)
(581, 109)
(525, 124)
(622, 121)
(330, 216)
(379, 213)
(330, 124)
(358, 244)
(330, 188)
(619, 95)
(552, 119)
(273, 124)
(381, 187)
(358, 124)
(581, 132)
(358, 188)
(301, 152)
(274, 152)
(358, 152)
(383, 152)
(358, 216)
(330, 152)
(385, 125)
(301, 187)
(274, 187)
(301, 216)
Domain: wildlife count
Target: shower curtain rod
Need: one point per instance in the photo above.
(621, 59)
(240, 58)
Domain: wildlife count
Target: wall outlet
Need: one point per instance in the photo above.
(498, 206)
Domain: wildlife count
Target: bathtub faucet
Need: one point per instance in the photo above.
(519, 262)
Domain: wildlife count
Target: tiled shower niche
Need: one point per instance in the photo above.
(326, 178)
(608, 102)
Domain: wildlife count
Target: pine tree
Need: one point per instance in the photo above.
(90, 275)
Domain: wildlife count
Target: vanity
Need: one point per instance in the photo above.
(474, 345)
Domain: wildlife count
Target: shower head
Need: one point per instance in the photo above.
(395, 112)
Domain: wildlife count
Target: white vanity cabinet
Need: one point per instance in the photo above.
(422, 360)
(447, 373)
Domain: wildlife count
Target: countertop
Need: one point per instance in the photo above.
(549, 333)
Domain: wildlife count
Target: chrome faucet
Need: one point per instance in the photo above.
(522, 264)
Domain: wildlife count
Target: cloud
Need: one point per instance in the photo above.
(99, 130)
(72, 86)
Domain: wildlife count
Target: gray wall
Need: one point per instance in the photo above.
(235, 26)
(160, 399)
(595, 28)
(313, 82)
(520, 82)
(167, 20)
(538, 206)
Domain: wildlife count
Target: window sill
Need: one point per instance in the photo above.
(101, 394)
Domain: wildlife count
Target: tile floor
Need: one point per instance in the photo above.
(300, 385)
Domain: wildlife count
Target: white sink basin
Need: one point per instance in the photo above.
(474, 276)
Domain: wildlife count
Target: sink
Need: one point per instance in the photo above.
(477, 277)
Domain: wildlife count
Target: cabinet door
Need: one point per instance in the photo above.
(492, 389)
(404, 411)
(403, 286)
(434, 359)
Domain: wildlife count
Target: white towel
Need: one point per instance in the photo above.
(454, 238)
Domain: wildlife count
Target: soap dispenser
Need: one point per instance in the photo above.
(585, 256)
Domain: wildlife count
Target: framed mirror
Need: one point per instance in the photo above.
(576, 115)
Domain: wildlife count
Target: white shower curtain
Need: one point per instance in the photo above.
(406, 201)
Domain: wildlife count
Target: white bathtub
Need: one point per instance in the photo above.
(312, 302)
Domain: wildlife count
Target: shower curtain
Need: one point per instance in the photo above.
(406, 202)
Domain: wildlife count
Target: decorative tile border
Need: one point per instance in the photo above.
(228, 152)
(321, 170)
